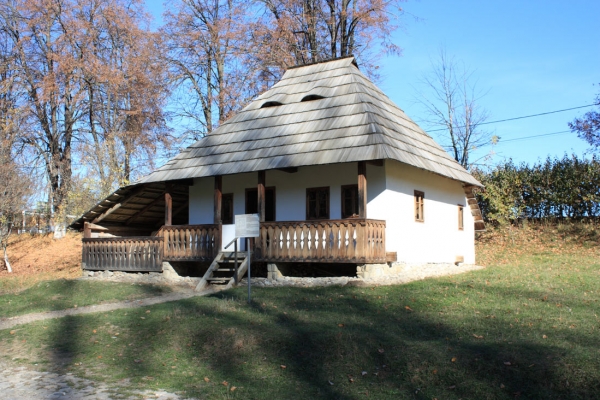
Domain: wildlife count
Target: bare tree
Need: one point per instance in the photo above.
(207, 44)
(451, 99)
(126, 89)
(91, 86)
(13, 197)
(13, 183)
(48, 61)
(306, 31)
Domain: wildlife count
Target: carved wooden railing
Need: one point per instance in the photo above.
(346, 240)
(123, 254)
(191, 242)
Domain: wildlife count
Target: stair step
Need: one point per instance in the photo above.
(232, 260)
(219, 279)
(225, 270)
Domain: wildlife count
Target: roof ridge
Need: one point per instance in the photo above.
(297, 66)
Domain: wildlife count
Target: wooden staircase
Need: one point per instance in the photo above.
(475, 211)
(222, 270)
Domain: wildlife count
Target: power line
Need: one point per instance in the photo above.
(523, 117)
(533, 136)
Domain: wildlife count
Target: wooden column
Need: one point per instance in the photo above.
(218, 200)
(87, 230)
(261, 195)
(362, 189)
(168, 208)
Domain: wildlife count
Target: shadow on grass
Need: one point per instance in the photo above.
(65, 293)
(339, 343)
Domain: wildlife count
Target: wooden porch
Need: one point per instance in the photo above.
(356, 240)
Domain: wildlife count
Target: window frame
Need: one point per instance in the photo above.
(355, 201)
(461, 217)
(328, 201)
(419, 206)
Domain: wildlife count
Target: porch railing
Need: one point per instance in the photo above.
(328, 241)
(123, 254)
(191, 242)
(346, 240)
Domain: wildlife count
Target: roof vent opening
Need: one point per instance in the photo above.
(312, 97)
(271, 104)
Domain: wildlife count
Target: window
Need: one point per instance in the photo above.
(227, 208)
(349, 201)
(461, 215)
(317, 203)
(271, 104)
(311, 97)
(252, 202)
(419, 206)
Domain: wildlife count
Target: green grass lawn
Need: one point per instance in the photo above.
(62, 294)
(525, 327)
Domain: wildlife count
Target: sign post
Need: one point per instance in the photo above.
(247, 226)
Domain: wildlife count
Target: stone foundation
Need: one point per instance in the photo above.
(168, 277)
(273, 272)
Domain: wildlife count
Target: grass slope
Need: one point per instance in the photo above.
(526, 327)
(62, 294)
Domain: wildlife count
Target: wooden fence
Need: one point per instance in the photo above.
(123, 254)
(346, 240)
(191, 242)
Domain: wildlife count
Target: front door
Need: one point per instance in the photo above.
(252, 202)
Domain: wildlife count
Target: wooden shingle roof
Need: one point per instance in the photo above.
(345, 119)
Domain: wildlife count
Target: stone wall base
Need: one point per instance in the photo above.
(273, 273)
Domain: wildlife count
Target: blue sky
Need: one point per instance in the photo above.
(529, 56)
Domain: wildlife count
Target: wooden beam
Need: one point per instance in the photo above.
(289, 170)
(142, 211)
(261, 195)
(122, 228)
(183, 182)
(377, 163)
(107, 213)
(362, 189)
(116, 206)
(218, 199)
(95, 227)
(168, 209)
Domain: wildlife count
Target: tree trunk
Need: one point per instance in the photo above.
(6, 262)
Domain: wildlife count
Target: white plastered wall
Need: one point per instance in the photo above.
(290, 191)
(390, 197)
(437, 239)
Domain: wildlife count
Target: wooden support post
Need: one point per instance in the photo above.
(168, 209)
(218, 201)
(261, 195)
(87, 230)
(362, 189)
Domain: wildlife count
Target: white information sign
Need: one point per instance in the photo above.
(247, 225)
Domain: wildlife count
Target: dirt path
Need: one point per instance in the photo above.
(18, 382)
(7, 323)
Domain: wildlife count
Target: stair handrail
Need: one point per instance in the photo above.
(230, 243)
(235, 258)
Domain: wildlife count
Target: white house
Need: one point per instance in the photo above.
(335, 170)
